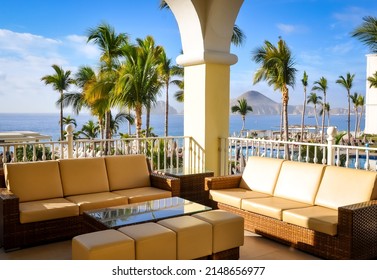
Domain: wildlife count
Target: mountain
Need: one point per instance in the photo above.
(262, 105)
(159, 109)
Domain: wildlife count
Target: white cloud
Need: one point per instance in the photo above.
(289, 28)
(24, 59)
(80, 46)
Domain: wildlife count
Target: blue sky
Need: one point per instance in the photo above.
(34, 34)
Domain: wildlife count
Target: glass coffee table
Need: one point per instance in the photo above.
(142, 212)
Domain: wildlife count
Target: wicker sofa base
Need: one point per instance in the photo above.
(354, 241)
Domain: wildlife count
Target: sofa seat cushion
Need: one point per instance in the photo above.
(234, 196)
(299, 181)
(127, 172)
(143, 194)
(83, 176)
(271, 206)
(49, 209)
(316, 218)
(97, 200)
(254, 176)
(344, 186)
(34, 180)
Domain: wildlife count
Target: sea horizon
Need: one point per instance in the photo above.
(48, 123)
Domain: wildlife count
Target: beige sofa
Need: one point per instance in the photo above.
(326, 210)
(44, 200)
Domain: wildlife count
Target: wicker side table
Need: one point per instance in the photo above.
(192, 184)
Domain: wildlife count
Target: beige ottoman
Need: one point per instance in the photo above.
(194, 237)
(228, 232)
(152, 241)
(103, 245)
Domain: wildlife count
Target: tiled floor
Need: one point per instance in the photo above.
(255, 248)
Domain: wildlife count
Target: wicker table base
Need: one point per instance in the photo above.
(192, 184)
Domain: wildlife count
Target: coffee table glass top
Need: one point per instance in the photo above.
(148, 211)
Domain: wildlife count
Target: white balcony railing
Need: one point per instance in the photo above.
(183, 152)
(164, 153)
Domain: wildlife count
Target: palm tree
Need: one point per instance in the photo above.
(321, 85)
(111, 46)
(373, 80)
(277, 68)
(354, 99)
(242, 108)
(346, 82)
(238, 36)
(367, 33)
(315, 100)
(167, 71)
(325, 110)
(68, 120)
(357, 101)
(120, 117)
(138, 78)
(360, 103)
(60, 82)
(304, 82)
(90, 130)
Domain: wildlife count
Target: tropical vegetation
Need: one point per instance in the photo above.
(321, 85)
(243, 109)
(347, 83)
(277, 68)
(60, 82)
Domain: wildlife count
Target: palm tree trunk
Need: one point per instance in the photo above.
(285, 99)
(61, 117)
(129, 123)
(303, 116)
(349, 118)
(167, 111)
(138, 112)
(243, 123)
(356, 120)
(148, 120)
(323, 117)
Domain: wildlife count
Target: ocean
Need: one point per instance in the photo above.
(49, 123)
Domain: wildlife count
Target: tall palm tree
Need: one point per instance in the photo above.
(238, 36)
(325, 110)
(346, 82)
(373, 80)
(167, 71)
(354, 99)
(60, 82)
(321, 85)
(314, 99)
(137, 78)
(277, 68)
(304, 82)
(360, 103)
(111, 46)
(242, 108)
(367, 32)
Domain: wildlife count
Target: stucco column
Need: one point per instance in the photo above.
(206, 28)
(371, 97)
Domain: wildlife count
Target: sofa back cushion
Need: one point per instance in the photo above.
(299, 181)
(127, 172)
(260, 174)
(32, 181)
(344, 186)
(83, 176)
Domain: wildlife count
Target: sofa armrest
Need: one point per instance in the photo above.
(166, 183)
(357, 224)
(9, 211)
(222, 182)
